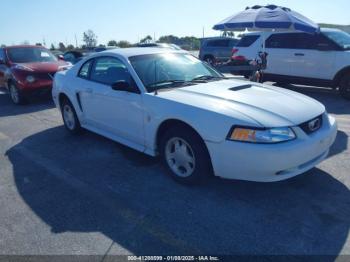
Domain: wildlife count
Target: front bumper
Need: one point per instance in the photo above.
(42, 86)
(273, 162)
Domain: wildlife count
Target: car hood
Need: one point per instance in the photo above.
(44, 67)
(263, 105)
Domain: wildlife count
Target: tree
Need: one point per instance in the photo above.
(25, 42)
(124, 44)
(90, 39)
(38, 44)
(3, 45)
(52, 47)
(147, 39)
(61, 46)
(112, 43)
(70, 47)
(228, 34)
(170, 39)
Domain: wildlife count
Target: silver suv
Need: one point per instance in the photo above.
(216, 49)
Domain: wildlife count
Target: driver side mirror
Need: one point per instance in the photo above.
(122, 86)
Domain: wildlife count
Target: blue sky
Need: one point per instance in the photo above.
(131, 20)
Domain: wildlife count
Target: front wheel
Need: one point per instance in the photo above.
(16, 94)
(344, 87)
(70, 119)
(185, 155)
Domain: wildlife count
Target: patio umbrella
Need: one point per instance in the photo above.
(267, 18)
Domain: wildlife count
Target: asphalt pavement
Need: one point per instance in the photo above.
(64, 194)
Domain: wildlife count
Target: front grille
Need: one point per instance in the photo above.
(312, 125)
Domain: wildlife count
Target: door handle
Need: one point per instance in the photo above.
(299, 54)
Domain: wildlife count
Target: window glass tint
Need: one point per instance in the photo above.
(291, 41)
(219, 43)
(2, 55)
(84, 71)
(247, 40)
(158, 68)
(108, 70)
(233, 42)
(69, 57)
(322, 42)
(339, 37)
(28, 55)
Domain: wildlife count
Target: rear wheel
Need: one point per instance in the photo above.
(344, 86)
(16, 94)
(70, 118)
(185, 155)
(210, 60)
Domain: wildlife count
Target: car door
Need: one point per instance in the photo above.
(117, 113)
(279, 55)
(314, 56)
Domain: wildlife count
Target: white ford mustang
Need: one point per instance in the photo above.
(169, 103)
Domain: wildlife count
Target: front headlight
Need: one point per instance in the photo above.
(30, 79)
(261, 135)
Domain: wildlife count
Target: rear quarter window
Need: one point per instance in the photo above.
(247, 40)
(218, 43)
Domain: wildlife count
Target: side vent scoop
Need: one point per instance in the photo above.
(238, 88)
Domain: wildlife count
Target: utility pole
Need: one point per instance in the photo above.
(203, 32)
(76, 41)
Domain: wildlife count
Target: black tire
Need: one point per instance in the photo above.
(344, 86)
(16, 94)
(210, 60)
(71, 123)
(202, 167)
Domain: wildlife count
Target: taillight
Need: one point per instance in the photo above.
(239, 57)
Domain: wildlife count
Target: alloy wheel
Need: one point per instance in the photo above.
(14, 94)
(180, 157)
(68, 117)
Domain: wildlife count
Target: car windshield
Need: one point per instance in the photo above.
(29, 55)
(340, 37)
(172, 70)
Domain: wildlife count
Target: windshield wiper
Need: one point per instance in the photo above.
(168, 83)
(206, 77)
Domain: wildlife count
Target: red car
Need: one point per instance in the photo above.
(27, 70)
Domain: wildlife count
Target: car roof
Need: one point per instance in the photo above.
(135, 51)
(24, 46)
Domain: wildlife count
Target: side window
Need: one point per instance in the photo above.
(2, 55)
(219, 43)
(69, 57)
(233, 42)
(304, 41)
(291, 41)
(85, 69)
(279, 41)
(323, 43)
(108, 70)
(247, 40)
